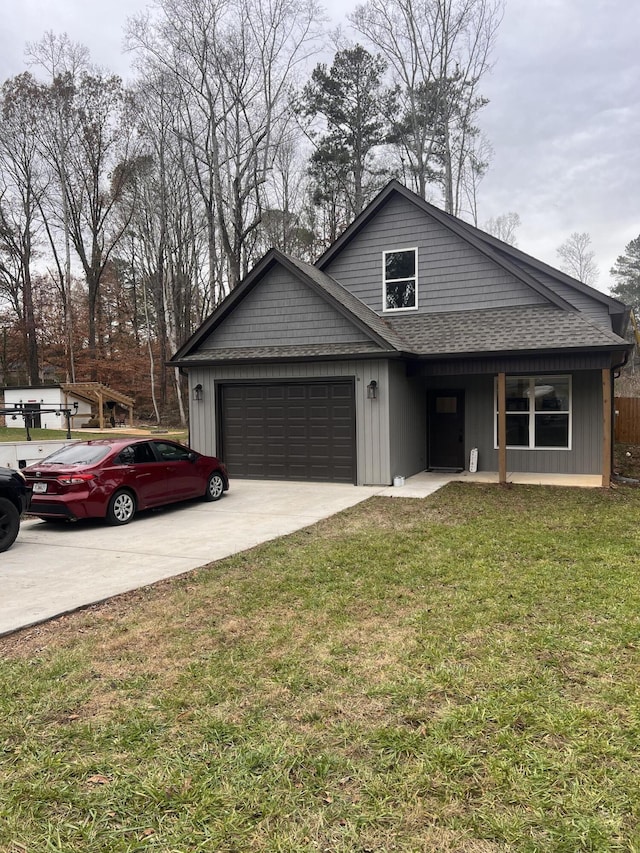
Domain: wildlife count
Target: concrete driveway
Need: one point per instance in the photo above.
(55, 568)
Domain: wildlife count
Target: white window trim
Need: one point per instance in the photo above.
(386, 310)
(532, 412)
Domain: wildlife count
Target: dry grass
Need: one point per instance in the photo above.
(453, 674)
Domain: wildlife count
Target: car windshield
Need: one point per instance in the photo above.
(78, 454)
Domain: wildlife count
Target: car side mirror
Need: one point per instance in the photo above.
(192, 456)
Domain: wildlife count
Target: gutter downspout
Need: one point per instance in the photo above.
(615, 373)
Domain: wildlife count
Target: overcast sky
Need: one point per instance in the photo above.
(563, 118)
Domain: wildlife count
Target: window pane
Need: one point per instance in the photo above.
(171, 452)
(401, 294)
(552, 395)
(400, 265)
(79, 454)
(552, 430)
(446, 405)
(517, 394)
(518, 430)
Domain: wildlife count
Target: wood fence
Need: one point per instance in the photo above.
(627, 429)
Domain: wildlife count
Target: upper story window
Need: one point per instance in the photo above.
(400, 290)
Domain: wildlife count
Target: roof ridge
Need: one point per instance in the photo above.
(542, 266)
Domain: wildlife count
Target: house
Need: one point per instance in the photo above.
(46, 403)
(415, 339)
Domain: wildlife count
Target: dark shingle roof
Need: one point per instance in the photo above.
(266, 353)
(501, 330)
(354, 306)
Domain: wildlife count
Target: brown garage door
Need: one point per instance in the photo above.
(292, 431)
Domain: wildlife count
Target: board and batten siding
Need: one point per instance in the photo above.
(282, 310)
(373, 465)
(408, 422)
(452, 275)
(476, 414)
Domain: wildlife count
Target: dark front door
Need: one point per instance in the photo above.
(446, 430)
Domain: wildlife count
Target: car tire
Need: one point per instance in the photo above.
(215, 487)
(9, 524)
(122, 507)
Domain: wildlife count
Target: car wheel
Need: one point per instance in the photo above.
(215, 487)
(122, 507)
(9, 524)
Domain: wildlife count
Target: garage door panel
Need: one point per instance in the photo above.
(318, 392)
(295, 431)
(298, 431)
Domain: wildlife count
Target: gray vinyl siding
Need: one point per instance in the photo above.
(476, 413)
(391, 431)
(452, 275)
(408, 422)
(587, 305)
(372, 416)
(283, 310)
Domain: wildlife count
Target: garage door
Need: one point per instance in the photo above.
(297, 431)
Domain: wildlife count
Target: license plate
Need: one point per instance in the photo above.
(39, 488)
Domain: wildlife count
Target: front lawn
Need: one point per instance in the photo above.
(453, 674)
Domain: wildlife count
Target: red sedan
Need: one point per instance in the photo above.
(114, 478)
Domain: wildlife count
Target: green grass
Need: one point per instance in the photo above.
(11, 434)
(453, 674)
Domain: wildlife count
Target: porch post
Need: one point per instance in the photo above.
(607, 428)
(502, 428)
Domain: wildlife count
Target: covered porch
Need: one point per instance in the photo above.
(427, 482)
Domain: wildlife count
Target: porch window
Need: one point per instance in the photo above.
(538, 410)
(400, 277)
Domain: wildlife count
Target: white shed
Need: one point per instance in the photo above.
(37, 398)
(84, 399)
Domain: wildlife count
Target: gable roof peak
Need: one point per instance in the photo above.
(468, 234)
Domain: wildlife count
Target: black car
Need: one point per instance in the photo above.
(15, 498)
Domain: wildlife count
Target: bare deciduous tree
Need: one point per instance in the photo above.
(504, 227)
(99, 160)
(438, 51)
(59, 57)
(233, 63)
(577, 258)
(22, 185)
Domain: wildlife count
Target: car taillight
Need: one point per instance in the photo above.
(76, 479)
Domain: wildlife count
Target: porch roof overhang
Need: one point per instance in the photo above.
(536, 361)
(272, 355)
(500, 331)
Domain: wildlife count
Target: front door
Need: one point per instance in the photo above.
(446, 430)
